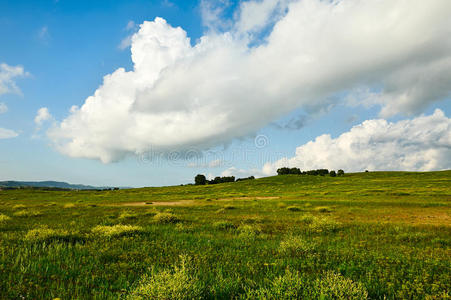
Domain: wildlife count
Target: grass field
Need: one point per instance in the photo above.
(377, 235)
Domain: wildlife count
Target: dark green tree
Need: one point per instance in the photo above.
(200, 179)
(340, 172)
(332, 173)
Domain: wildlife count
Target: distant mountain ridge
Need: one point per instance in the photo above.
(48, 184)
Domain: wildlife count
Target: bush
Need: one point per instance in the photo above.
(335, 286)
(116, 230)
(281, 205)
(179, 283)
(320, 225)
(340, 173)
(45, 234)
(288, 286)
(293, 208)
(295, 246)
(127, 215)
(248, 232)
(224, 225)
(332, 173)
(323, 209)
(4, 218)
(229, 207)
(307, 219)
(27, 213)
(166, 218)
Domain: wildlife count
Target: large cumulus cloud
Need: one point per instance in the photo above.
(230, 84)
(420, 144)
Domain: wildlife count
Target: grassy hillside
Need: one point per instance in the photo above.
(377, 234)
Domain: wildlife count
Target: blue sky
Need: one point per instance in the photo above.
(67, 47)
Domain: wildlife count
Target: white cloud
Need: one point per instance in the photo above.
(420, 144)
(126, 42)
(179, 96)
(7, 133)
(242, 173)
(3, 108)
(211, 164)
(8, 74)
(130, 25)
(42, 115)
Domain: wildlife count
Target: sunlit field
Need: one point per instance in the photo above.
(366, 235)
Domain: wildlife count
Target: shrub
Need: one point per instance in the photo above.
(323, 209)
(295, 246)
(340, 173)
(252, 220)
(150, 212)
(4, 218)
(45, 234)
(288, 286)
(127, 215)
(116, 230)
(335, 286)
(320, 225)
(229, 207)
(332, 173)
(248, 232)
(27, 213)
(224, 225)
(414, 237)
(281, 205)
(179, 283)
(221, 211)
(293, 208)
(307, 219)
(166, 218)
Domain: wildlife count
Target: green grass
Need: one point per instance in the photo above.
(381, 234)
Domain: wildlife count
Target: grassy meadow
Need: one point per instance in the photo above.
(376, 235)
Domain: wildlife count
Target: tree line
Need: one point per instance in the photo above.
(200, 179)
(320, 172)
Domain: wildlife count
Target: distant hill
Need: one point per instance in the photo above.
(47, 184)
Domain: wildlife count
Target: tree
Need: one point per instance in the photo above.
(283, 171)
(200, 179)
(332, 173)
(322, 172)
(340, 172)
(295, 171)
